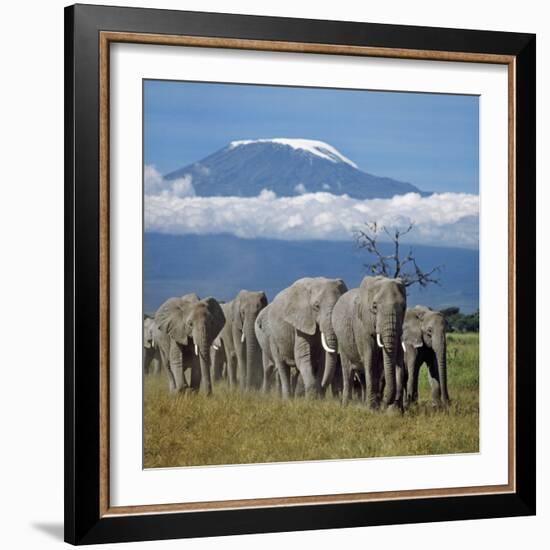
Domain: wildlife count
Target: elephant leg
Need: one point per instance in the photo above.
(311, 383)
(433, 377)
(216, 362)
(284, 376)
(268, 373)
(372, 380)
(156, 363)
(241, 365)
(337, 383)
(147, 360)
(195, 381)
(299, 388)
(232, 370)
(165, 364)
(346, 378)
(359, 383)
(277, 381)
(176, 367)
(303, 358)
(400, 382)
(293, 379)
(413, 368)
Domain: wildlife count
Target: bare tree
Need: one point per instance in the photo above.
(393, 264)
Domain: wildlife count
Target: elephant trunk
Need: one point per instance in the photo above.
(253, 355)
(389, 340)
(202, 349)
(440, 350)
(330, 346)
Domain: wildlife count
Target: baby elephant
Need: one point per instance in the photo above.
(424, 341)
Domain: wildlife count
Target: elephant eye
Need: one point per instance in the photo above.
(374, 306)
(316, 306)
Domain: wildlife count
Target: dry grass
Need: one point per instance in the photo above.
(234, 428)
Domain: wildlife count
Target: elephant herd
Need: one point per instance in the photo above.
(315, 335)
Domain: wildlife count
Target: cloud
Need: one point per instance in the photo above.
(155, 184)
(153, 181)
(300, 188)
(446, 219)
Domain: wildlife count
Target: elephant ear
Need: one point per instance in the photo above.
(297, 310)
(170, 318)
(420, 312)
(402, 288)
(263, 299)
(190, 298)
(367, 291)
(357, 310)
(341, 286)
(236, 318)
(216, 315)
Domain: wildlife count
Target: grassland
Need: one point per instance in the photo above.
(235, 428)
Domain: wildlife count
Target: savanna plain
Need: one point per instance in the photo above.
(231, 427)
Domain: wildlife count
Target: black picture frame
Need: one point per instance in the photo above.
(84, 523)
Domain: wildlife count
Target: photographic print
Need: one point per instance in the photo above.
(310, 274)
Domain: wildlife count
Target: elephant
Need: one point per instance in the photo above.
(151, 353)
(368, 323)
(424, 341)
(301, 328)
(242, 350)
(261, 328)
(186, 328)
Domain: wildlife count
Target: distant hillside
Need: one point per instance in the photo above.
(221, 265)
(288, 167)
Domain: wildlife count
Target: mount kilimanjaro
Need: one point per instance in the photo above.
(289, 167)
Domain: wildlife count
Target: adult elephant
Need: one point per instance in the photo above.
(368, 322)
(242, 350)
(424, 341)
(187, 328)
(151, 353)
(301, 329)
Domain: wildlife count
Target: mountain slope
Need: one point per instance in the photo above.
(288, 167)
(221, 265)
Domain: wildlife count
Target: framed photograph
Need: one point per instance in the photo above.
(300, 274)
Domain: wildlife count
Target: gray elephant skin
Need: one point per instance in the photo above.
(186, 329)
(424, 341)
(151, 353)
(301, 333)
(243, 354)
(368, 322)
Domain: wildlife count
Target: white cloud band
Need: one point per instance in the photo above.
(445, 219)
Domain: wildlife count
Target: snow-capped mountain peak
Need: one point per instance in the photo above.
(317, 148)
(287, 167)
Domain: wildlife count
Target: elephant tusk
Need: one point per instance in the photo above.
(242, 337)
(196, 349)
(378, 341)
(325, 345)
(215, 347)
(152, 342)
(418, 345)
(403, 346)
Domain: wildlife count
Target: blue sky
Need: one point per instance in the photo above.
(429, 140)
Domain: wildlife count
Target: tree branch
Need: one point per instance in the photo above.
(383, 264)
